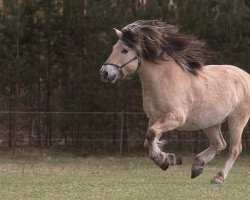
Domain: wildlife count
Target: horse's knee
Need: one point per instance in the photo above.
(150, 134)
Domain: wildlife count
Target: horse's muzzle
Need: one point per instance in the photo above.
(108, 74)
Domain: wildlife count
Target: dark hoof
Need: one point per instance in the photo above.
(164, 166)
(196, 172)
(216, 181)
(178, 159)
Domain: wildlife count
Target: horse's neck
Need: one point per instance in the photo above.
(156, 76)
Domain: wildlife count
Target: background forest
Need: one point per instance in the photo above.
(51, 53)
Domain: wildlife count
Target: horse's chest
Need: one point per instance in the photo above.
(152, 109)
(154, 103)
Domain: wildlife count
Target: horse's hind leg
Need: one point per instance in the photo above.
(236, 124)
(217, 144)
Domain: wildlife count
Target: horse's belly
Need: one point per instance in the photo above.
(204, 120)
(193, 126)
(205, 113)
(194, 121)
(210, 112)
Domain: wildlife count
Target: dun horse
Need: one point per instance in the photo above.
(179, 92)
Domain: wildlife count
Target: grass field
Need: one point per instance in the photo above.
(116, 178)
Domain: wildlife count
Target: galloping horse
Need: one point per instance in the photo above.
(179, 92)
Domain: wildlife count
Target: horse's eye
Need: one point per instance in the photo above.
(124, 51)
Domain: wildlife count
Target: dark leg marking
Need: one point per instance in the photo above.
(197, 167)
(164, 160)
(174, 159)
(161, 160)
(178, 159)
(171, 159)
(165, 164)
(218, 178)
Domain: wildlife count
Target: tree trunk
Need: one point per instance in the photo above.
(48, 118)
(12, 134)
(39, 117)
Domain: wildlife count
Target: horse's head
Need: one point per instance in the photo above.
(156, 42)
(123, 61)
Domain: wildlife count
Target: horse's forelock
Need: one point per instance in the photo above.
(145, 38)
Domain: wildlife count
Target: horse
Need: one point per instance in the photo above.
(181, 92)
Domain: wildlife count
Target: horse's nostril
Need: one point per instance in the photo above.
(108, 74)
(105, 74)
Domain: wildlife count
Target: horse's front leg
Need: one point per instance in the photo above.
(150, 123)
(165, 123)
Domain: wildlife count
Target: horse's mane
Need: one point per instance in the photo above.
(155, 41)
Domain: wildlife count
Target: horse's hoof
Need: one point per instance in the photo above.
(196, 172)
(178, 159)
(164, 165)
(218, 179)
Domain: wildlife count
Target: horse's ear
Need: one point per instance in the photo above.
(118, 33)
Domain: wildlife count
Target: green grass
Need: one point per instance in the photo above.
(117, 178)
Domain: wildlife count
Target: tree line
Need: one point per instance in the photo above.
(51, 53)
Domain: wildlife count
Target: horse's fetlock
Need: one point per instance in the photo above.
(158, 158)
(199, 161)
(153, 156)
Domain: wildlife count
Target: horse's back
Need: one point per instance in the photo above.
(231, 74)
(226, 68)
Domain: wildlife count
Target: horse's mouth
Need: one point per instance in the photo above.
(109, 80)
(114, 79)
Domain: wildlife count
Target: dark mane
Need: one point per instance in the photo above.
(156, 41)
